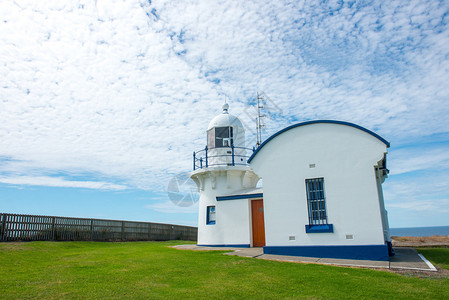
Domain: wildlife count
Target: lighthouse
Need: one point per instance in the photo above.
(322, 190)
(223, 177)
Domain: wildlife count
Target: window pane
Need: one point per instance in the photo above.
(222, 132)
(211, 138)
(321, 205)
(223, 137)
(210, 218)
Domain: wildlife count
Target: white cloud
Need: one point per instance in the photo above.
(60, 182)
(435, 157)
(170, 208)
(440, 206)
(125, 90)
(415, 187)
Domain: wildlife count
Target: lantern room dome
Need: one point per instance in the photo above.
(225, 120)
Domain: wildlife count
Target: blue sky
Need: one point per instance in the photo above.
(102, 103)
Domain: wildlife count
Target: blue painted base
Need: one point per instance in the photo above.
(363, 252)
(227, 245)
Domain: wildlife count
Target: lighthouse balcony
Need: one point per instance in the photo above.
(223, 156)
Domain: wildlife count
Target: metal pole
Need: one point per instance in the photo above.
(201, 162)
(206, 155)
(232, 148)
(193, 160)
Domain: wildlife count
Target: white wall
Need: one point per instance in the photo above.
(345, 156)
(232, 224)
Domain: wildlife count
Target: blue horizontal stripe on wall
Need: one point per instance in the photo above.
(227, 245)
(236, 197)
(362, 252)
(387, 143)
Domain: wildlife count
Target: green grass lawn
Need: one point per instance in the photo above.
(152, 270)
(437, 256)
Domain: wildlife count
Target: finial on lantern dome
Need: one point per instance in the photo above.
(225, 108)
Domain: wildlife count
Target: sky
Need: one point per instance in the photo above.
(103, 102)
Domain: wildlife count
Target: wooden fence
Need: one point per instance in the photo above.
(14, 227)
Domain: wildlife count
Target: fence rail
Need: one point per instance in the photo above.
(203, 158)
(15, 227)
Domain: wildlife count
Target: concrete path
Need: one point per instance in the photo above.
(405, 258)
(409, 258)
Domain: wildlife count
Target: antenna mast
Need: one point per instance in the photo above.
(259, 121)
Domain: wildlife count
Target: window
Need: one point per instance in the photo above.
(210, 218)
(316, 203)
(220, 137)
(211, 138)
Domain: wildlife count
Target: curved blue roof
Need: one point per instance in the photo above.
(387, 143)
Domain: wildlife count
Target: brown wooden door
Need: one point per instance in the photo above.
(258, 223)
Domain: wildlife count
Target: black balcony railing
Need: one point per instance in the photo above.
(232, 157)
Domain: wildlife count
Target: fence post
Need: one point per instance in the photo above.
(123, 231)
(2, 233)
(53, 228)
(91, 229)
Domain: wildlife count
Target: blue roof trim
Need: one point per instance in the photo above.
(236, 197)
(387, 143)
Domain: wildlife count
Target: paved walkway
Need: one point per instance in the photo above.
(405, 258)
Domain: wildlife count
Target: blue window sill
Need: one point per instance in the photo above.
(319, 228)
(210, 223)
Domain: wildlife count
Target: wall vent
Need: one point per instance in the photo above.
(349, 236)
(311, 165)
(292, 238)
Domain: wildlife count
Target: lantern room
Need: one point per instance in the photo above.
(225, 130)
(225, 142)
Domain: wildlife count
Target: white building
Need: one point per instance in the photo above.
(322, 193)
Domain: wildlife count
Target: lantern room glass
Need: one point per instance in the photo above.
(220, 137)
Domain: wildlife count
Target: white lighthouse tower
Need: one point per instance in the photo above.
(224, 178)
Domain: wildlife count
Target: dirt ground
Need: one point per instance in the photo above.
(421, 241)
